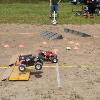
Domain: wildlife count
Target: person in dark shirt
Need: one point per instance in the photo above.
(91, 7)
(54, 5)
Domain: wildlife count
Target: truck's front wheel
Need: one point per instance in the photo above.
(38, 66)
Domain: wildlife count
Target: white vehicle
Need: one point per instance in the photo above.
(75, 2)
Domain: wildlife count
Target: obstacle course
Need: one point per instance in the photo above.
(17, 75)
(13, 74)
(51, 35)
(82, 34)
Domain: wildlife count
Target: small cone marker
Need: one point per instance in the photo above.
(71, 42)
(44, 42)
(21, 46)
(55, 51)
(6, 46)
(77, 44)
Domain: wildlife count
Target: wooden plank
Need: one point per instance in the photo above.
(76, 32)
(6, 74)
(17, 75)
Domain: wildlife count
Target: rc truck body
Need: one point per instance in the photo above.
(48, 56)
(24, 61)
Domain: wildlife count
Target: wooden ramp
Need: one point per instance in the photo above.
(16, 75)
(5, 75)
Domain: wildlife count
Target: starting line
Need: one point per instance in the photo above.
(13, 73)
(62, 66)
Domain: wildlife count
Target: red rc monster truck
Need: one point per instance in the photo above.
(24, 61)
(48, 56)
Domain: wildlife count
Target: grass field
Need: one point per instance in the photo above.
(39, 14)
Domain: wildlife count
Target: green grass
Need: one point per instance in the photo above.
(39, 14)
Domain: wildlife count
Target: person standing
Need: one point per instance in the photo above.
(91, 7)
(54, 6)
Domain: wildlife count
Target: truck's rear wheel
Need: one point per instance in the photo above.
(54, 60)
(22, 68)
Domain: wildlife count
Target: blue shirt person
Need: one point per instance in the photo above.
(54, 5)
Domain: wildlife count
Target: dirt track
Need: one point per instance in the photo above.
(77, 83)
(28, 35)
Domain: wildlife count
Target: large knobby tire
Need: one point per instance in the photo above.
(38, 66)
(22, 67)
(54, 60)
